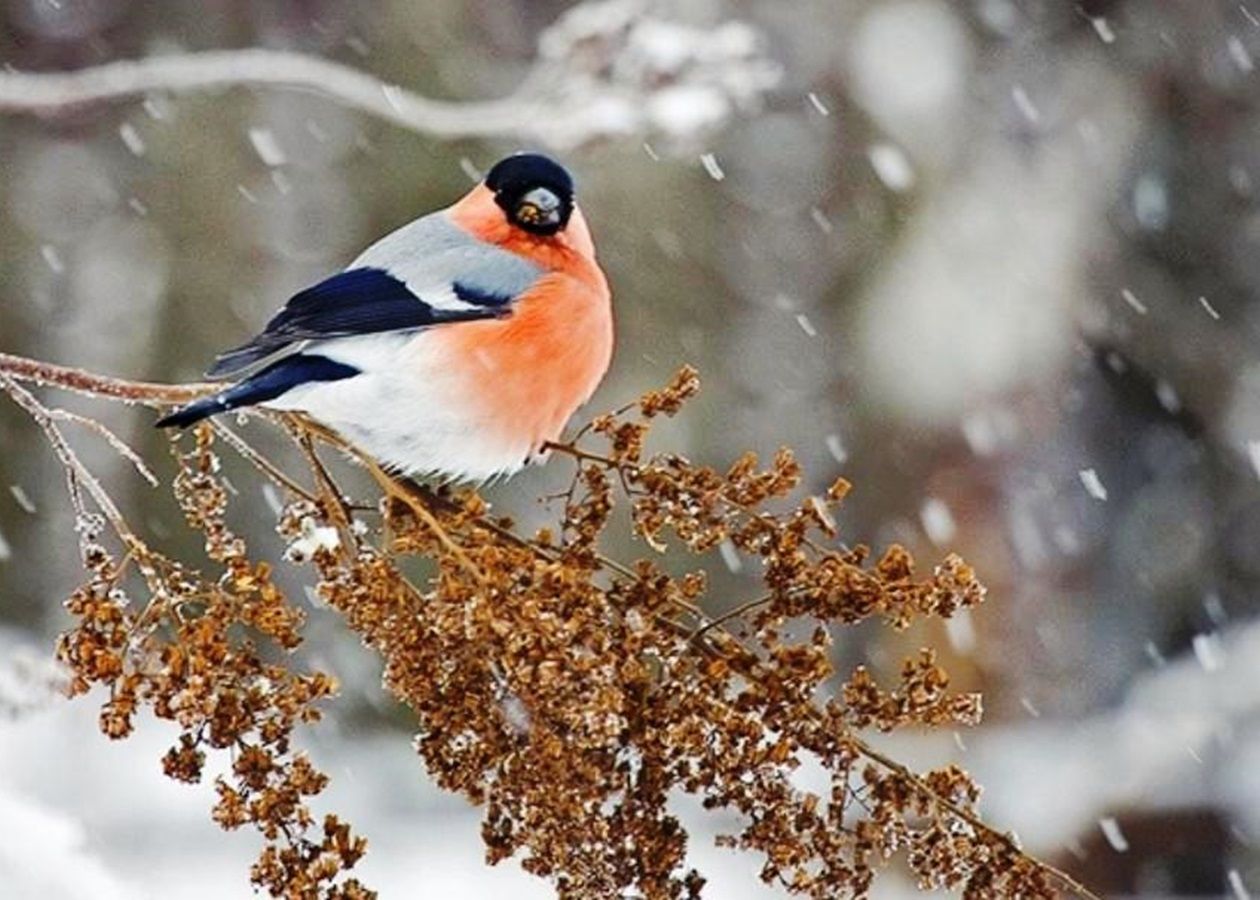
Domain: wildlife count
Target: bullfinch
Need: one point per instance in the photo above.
(456, 346)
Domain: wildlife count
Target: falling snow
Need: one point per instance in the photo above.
(820, 509)
(710, 163)
(515, 714)
(835, 446)
(938, 521)
(730, 557)
(987, 430)
(1237, 887)
(1103, 29)
(52, 257)
(1208, 651)
(1093, 484)
(917, 249)
(470, 170)
(1239, 54)
(1215, 609)
(267, 146)
(1133, 301)
(892, 166)
(1024, 104)
(1253, 453)
(1167, 395)
(960, 629)
(22, 499)
(1150, 202)
(155, 108)
(272, 498)
(131, 138)
(1115, 837)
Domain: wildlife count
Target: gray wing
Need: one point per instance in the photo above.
(447, 267)
(424, 274)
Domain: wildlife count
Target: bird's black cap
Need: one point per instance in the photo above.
(521, 174)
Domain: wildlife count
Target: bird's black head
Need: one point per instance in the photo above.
(534, 191)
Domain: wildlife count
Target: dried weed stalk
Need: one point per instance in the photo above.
(567, 694)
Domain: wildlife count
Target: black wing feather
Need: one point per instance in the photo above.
(265, 385)
(357, 301)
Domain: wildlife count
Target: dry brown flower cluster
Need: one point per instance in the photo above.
(189, 652)
(568, 694)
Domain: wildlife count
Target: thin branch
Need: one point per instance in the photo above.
(737, 612)
(39, 92)
(573, 450)
(77, 474)
(121, 447)
(966, 815)
(393, 488)
(333, 497)
(246, 451)
(34, 371)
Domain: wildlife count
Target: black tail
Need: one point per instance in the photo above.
(194, 412)
(267, 384)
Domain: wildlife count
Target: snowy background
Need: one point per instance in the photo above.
(995, 261)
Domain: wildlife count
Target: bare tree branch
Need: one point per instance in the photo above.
(36, 92)
(605, 68)
(35, 371)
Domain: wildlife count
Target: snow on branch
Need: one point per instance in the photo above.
(604, 69)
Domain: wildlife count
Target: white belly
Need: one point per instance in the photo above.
(404, 410)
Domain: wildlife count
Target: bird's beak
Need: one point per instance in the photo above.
(539, 207)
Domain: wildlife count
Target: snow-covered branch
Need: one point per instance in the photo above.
(35, 371)
(187, 73)
(605, 68)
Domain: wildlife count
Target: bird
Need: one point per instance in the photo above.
(456, 347)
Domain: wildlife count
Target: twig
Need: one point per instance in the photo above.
(394, 489)
(37, 92)
(961, 812)
(76, 473)
(34, 371)
(260, 462)
(578, 453)
(399, 492)
(121, 447)
(731, 614)
(332, 495)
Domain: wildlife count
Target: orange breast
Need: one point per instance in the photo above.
(527, 373)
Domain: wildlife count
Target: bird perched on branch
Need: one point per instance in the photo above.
(456, 346)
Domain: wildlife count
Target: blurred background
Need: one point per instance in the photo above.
(994, 261)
